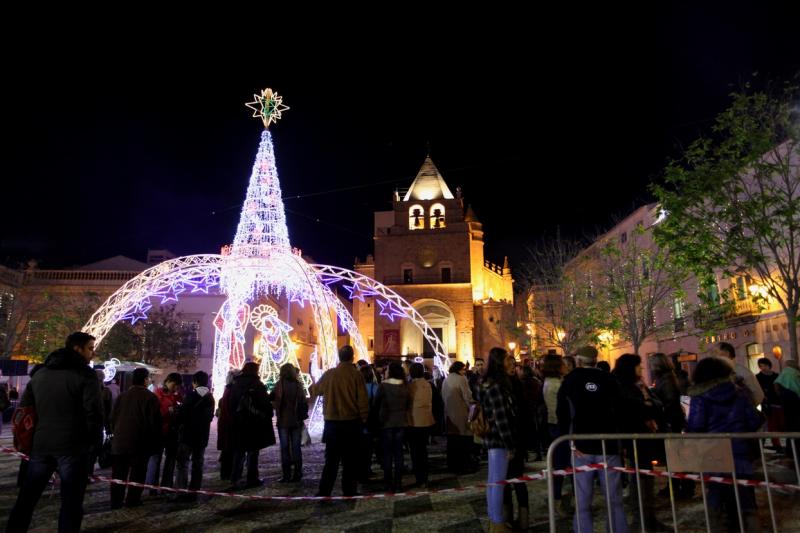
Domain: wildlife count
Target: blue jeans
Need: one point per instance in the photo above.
(498, 467)
(73, 471)
(290, 447)
(583, 493)
(393, 455)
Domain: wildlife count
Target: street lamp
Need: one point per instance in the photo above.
(512, 346)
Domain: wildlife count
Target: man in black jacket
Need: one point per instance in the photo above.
(590, 401)
(194, 419)
(66, 395)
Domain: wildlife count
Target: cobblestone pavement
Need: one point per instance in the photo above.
(459, 512)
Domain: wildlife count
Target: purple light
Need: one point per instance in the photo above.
(356, 292)
(389, 310)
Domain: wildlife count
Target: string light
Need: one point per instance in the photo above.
(261, 263)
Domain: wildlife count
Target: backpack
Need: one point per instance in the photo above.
(247, 407)
(477, 421)
(23, 425)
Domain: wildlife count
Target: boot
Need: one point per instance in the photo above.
(502, 527)
(298, 471)
(524, 520)
(508, 512)
(751, 523)
(287, 472)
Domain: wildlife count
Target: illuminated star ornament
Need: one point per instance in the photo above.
(267, 106)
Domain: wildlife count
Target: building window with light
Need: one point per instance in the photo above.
(679, 313)
(437, 216)
(416, 217)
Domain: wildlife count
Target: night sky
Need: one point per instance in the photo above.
(119, 140)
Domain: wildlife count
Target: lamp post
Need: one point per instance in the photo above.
(512, 346)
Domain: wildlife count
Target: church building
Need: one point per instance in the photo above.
(429, 249)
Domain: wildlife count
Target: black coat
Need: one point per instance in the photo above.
(194, 419)
(66, 395)
(251, 430)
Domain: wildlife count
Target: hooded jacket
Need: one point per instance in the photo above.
(194, 418)
(719, 406)
(66, 395)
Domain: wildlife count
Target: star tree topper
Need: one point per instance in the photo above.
(267, 106)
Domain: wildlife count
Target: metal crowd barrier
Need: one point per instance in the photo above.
(670, 439)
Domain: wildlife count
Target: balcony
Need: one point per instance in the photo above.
(742, 308)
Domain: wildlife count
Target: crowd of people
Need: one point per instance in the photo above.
(500, 411)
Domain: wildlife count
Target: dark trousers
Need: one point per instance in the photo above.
(393, 456)
(341, 439)
(418, 442)
(238, 466)
(73, 471)
(225, 463)
(516, 467)
(291, 453)
(127, 467)
(169, 453)
(185, 453)
(561, 459)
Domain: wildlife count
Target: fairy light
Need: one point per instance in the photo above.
(261, 262)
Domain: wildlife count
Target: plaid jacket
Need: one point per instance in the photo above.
(498, 407)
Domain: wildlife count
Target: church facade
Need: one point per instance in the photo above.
(429, 249)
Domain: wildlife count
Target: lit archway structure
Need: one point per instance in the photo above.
(260, 263)
(200, 273)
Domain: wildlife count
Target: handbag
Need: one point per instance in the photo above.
(104, 457)
(305, 436)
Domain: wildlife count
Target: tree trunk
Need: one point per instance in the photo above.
(792, 326)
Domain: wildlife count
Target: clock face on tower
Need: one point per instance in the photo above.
(426, 256)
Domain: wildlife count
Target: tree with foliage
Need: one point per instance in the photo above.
(42, 320)
(123, 341)
(733, 199)
(164, 339)
(561, 295)
(638, 278)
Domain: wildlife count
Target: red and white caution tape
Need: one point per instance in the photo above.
(531, 476)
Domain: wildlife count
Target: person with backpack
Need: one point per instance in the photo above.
(251, 424)
(194, 421)
(65, 396)
(291, 406)
(499, 436)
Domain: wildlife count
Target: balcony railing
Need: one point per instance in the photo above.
(743, 308)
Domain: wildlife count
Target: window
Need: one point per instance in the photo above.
(446, 275)
(371, 343)
(679, 313)
(754, 349)
(437, 216)
(190, 337)
(416, 217)
(623, 237)
(742, 282)
(408, 275)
